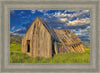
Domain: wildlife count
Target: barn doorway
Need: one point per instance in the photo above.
(28, 45)
(53, 49)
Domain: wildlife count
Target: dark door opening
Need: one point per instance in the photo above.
(28, 45)
(53, 49)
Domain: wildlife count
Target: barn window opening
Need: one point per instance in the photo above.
(28, 45)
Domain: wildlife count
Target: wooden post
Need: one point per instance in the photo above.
(56, 48)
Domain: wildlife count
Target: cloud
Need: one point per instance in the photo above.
(59, 14)
(24, 17)
(33, 11)
(66, 24)
(54, 22)
(88, 28)
(63, 19)
(22, 11)
(58, 27)
(72, 15)
(80, 14)
(69, 19)
(83, 34)
(26, 25)
(13, 28)
(43, 11)
(12, 33)
(18, 32)
(83, 21)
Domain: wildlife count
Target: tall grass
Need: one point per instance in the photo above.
(15, 47)
(18, 57)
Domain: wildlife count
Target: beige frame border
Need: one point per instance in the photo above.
(6, 66)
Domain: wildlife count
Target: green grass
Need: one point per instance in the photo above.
(17, 57)
(15, 47)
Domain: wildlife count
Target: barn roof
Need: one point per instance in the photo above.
(49, 29)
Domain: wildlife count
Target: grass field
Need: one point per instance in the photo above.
(16, 56)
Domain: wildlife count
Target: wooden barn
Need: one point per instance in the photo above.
(40, 40)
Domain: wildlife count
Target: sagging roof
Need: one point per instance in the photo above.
(49, 29)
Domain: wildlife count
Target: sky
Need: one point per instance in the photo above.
(76, 20)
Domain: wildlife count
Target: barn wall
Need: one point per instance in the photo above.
(40, 40)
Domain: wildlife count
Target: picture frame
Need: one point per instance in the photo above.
(6, 66)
